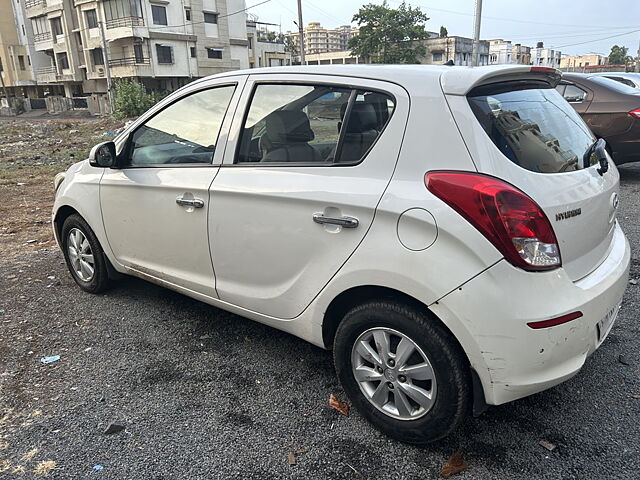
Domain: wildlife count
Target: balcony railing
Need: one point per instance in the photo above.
(34, 3)
(41, 37)
(127, 61)
(47, 70)
(125, 22)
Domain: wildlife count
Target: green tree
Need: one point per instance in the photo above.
(389, 35)
(290, 46)
(618, 55)
(443, 31)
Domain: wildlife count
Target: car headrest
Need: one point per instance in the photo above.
(363, 118)
(288, 126)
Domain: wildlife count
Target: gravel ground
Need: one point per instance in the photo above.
(207, 394)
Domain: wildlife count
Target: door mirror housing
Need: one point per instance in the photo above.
(103, 155)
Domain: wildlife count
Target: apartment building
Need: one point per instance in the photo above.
(521, 54)
(456, 49)
(500, 52)
(18, 57)
(265, 50)
(570, 62)
(164, 44)
(318, 39)
(545, 57)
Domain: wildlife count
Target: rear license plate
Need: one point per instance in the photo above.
(605, 324)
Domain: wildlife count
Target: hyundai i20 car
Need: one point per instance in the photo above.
(450, 233)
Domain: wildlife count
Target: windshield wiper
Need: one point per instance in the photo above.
(599, 148)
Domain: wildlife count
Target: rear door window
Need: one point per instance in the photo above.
(532, 126)
(311, 124)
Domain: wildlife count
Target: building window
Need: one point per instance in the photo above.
(62, 60)
(250, 42)
(116, 9)
(165, 54)
(437, 57)
(187, 14)
(29, 60)
(214, 53)
(159, 15)
(137, 52)
(92, 18)
(193, 52)
(210, 18)
(96, 56)
(21, 62)
(56, 26)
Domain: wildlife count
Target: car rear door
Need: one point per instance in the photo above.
(155, 205)
(285, 218)
(522, 132)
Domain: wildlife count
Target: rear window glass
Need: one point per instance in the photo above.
(613, 85)
(535, 128)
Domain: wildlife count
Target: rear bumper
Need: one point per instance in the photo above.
(511, 359)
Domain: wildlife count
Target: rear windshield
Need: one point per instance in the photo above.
(533, 127)
(614, 85)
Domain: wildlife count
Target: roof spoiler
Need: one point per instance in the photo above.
(460, 81)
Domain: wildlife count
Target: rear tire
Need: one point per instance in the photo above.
(84, 255)
(430, 399)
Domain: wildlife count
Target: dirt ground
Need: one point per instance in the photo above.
(31, 153)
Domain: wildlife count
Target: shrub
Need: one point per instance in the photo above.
(131, 99)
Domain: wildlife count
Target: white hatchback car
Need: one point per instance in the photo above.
(449, 232)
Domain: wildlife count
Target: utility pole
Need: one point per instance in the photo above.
(638, 60)
(475, 55)
(105, 59)
(301, 30)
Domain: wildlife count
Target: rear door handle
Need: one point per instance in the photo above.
(190, 202)
(346, 222)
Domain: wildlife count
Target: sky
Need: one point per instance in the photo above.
(575, 27)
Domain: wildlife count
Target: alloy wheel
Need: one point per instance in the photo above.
(80, 255)
(393, 373)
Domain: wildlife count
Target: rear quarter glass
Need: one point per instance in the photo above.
(533, 126)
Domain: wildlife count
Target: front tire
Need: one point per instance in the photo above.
(84, 255)
(403, 371)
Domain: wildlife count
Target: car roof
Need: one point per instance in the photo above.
(455, 80)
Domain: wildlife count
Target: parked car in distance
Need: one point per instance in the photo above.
(630, 79)
(449, 232)
(611, 110)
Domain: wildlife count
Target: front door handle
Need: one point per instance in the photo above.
(346, 222)
(190, 202)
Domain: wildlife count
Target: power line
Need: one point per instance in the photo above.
(503, 19)
(597, 39)
(219, 16)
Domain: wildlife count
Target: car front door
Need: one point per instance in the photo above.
(154, 206)
(303, 172)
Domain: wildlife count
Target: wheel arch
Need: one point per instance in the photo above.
(351, 297)
(64, 212)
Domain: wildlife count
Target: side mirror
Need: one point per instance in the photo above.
(103, 155)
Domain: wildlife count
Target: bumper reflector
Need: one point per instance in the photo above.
(552, 322)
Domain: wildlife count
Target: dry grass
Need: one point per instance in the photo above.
(31, 153)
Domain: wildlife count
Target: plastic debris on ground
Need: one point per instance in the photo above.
(548, 445)
(97, 468)
(51, 359)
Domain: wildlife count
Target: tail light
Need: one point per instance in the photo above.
(507, 217)
(635, 113)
